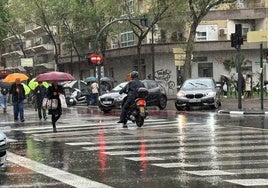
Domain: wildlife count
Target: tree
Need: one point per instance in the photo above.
(155, 12)
(4, 18)
(198, 9)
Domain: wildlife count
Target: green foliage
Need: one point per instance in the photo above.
(4, 18)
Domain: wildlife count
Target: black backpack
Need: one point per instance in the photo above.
(4, 91)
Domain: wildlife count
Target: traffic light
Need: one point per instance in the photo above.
(236, 38)
(144, 21)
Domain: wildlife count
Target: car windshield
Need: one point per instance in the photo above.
(197, 84)
(119, 87)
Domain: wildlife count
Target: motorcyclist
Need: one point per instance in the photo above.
(131, 90)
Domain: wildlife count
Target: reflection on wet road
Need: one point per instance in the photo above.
(173, 149)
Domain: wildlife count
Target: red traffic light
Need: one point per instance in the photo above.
(96, 58)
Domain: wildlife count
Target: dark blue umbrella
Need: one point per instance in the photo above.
(107, 79)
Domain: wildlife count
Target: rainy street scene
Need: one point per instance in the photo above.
(197, 148)
(133, 93)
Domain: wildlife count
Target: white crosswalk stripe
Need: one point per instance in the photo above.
(197, 150)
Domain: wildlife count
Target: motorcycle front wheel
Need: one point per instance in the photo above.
(139, 121)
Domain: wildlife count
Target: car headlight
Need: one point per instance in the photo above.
(181, 94)
(3, 142)
(211, 94)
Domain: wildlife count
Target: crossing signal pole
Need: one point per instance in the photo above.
(236, 42)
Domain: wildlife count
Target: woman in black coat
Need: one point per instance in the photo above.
(53, 92)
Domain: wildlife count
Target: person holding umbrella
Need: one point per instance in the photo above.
(18, 95)
(40, 92)
(53, 92)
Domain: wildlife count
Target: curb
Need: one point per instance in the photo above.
(242, 112)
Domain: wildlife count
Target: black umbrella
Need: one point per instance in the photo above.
(107, 79)
(5, 84)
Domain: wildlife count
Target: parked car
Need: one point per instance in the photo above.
(112, 100)
(3, 148)
(198, 92)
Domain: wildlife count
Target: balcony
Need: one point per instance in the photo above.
(237, 14)
(43, 48)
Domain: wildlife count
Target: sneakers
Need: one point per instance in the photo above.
(124, 125)
(120, 121)
(22, 120)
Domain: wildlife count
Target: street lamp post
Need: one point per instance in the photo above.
(95, 47)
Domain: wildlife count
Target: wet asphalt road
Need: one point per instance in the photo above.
(196, 149)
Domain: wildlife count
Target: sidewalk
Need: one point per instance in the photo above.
(249, 106)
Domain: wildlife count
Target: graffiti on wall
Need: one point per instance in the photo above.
(163, 77)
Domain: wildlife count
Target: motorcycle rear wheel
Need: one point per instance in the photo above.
(139, 121)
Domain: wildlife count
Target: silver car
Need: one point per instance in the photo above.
(198, 92)
(3, 148)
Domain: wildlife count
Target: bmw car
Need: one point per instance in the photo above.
(3, 148)
(198, 92)
(113, 100)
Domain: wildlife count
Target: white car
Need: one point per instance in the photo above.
(3, 148)
(198, 92)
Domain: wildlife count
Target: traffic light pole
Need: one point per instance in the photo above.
(261, 76)
(239, 77)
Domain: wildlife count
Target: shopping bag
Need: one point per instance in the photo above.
(62, 101)
(51, 104)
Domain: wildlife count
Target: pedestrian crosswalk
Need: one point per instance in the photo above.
(195, 150)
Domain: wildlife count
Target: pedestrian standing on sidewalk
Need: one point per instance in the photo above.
(53, 92)
(3, 98)
(95, 93)
(40, 92)
(248, 86)
(18, 96)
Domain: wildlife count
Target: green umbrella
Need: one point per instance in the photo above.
(33, 84)
(90, 79)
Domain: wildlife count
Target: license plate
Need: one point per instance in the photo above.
(195, 100)
(107, 102)
(141, 109)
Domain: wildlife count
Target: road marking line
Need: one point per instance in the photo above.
(57, 174)
(249, 182)
(209, 173)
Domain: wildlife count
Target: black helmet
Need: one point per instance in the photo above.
(134, 74)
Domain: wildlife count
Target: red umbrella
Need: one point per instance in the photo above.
(54, 76)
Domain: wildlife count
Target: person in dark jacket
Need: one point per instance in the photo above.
(131, 89)
(53, 92)
(18, 96)
(40, 92)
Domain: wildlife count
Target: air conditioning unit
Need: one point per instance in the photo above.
(223, 31)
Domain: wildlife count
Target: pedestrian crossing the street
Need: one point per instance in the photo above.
(237, 156)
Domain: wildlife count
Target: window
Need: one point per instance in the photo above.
(205, 69)
(127, 38)
(207, 33)
(201, 36)
(128, 7)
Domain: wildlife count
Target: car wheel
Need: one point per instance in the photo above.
(162, 102)
(182, 108)
(106, 110)
(216, 105)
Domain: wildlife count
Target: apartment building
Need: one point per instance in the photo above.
(212, 48)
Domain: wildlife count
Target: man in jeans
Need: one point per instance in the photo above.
(18, 96)
(40, 92)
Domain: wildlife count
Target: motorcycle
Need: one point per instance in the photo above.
(137, 112)
(74, 96)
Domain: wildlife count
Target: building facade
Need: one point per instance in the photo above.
(212, 48)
